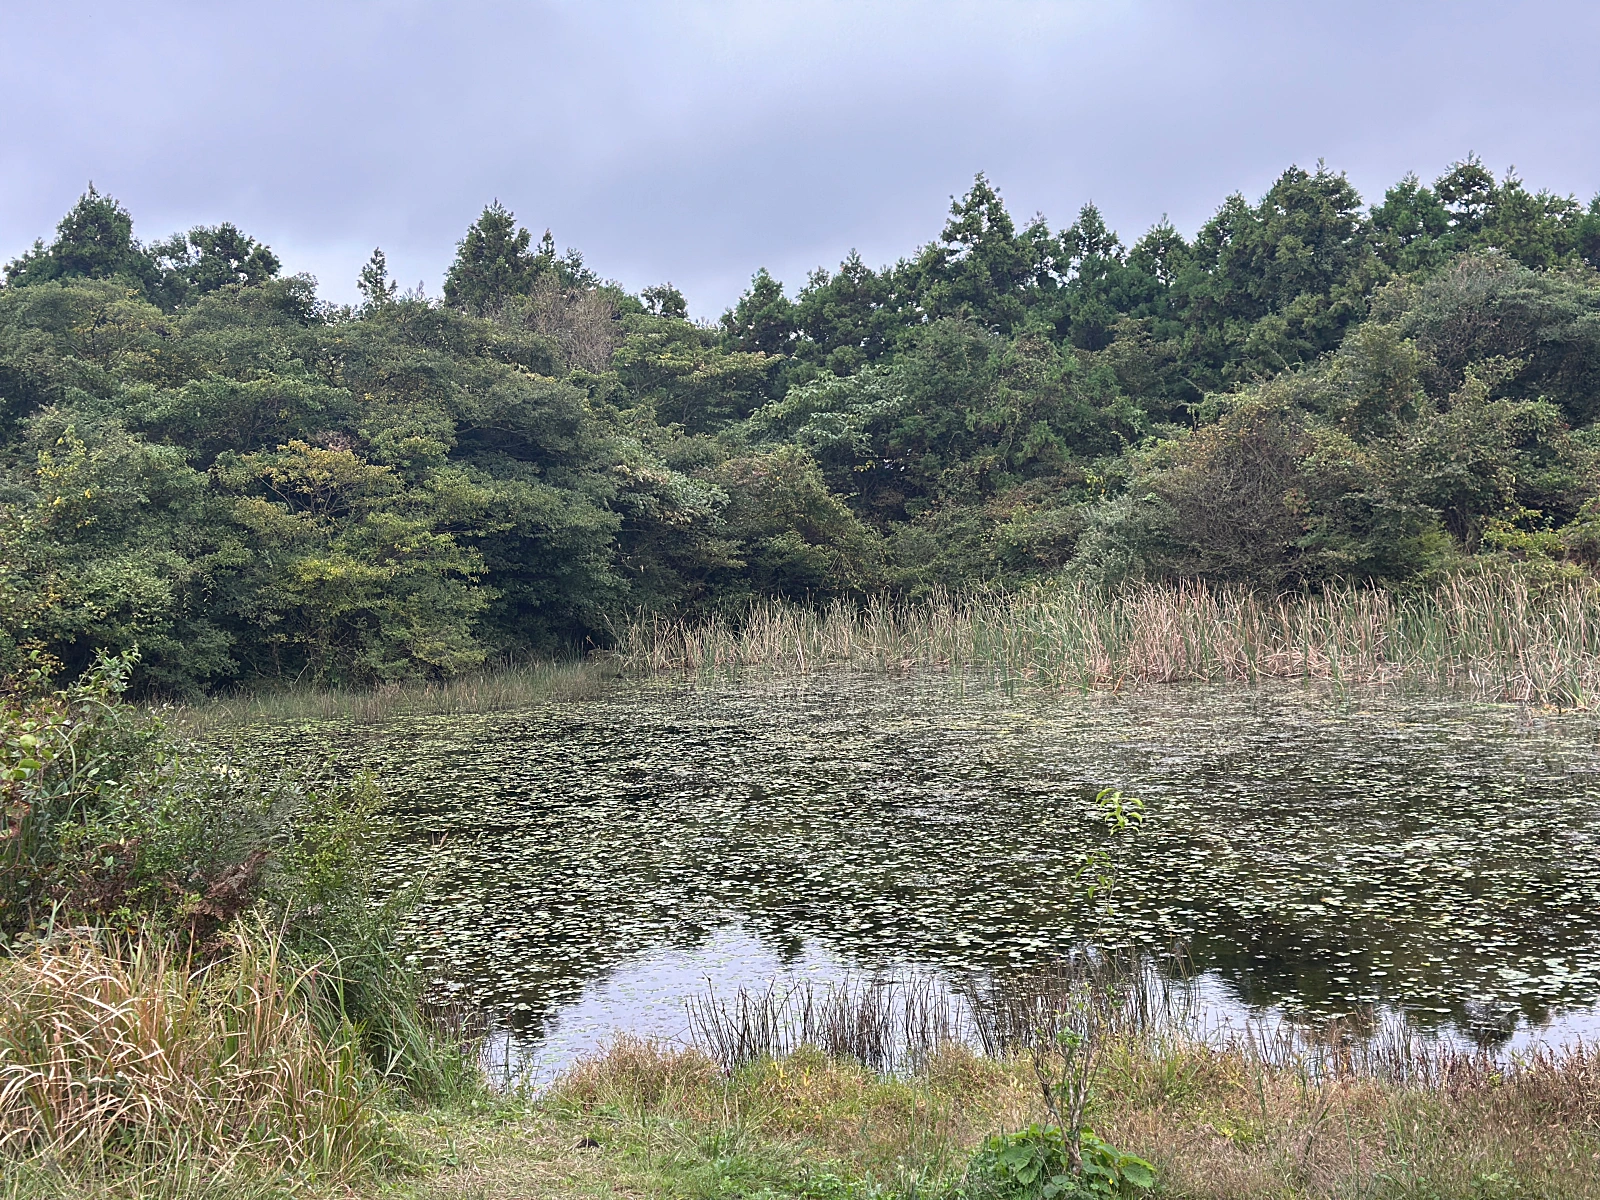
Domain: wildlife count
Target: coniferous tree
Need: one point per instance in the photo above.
(93, 241)
(374, 283)
(493, 262)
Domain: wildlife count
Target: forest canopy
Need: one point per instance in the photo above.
(201, 458)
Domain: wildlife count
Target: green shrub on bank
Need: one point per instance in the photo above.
(109, 822)
(198, 961)
(1037, 1163)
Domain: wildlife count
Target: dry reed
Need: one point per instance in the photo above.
(126, 1051)
(1489, 635)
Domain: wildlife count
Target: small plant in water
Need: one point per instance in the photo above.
(1097, 876)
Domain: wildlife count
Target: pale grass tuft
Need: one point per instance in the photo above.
(497, 690)
(636, 1072)
(130, 1051)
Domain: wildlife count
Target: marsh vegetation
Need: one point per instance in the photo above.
(510, 644)
(1217, 1124)
(1403, 879)
(1490, 636)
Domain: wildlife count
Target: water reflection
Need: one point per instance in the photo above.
(1317, 855)
(650, 997)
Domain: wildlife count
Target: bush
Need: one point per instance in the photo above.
(198, 949)
(109, 822)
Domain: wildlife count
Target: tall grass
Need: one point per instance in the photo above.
(1221, 1122)
(1490, 635)
(888, 1023)
(120, 1060)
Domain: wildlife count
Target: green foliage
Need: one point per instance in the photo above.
(93, 241)
(1122, 815)
(492, 262)
(1066, 1158)
(1038, 1162)
(799, 538)
(109, 821)
(112, 821)
(199, 457)
(495, 262)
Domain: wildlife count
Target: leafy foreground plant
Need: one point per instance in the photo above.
(1042, 1161)
(113, 822)
(1066, 1158)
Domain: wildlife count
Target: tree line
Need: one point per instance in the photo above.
(201, 458)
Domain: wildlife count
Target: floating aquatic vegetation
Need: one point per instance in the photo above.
(1315, 853)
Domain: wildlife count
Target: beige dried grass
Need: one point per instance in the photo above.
(1491, 636)
(124, 1050)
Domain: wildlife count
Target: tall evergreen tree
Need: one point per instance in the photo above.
(374, 283)
(93, 241)
(493, 262)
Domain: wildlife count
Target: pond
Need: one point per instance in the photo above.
(592, 863)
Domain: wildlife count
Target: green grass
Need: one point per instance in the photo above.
(123, 1059)
(503, 688)
(1219, 1124)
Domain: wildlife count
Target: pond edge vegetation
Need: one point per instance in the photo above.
(287, 1049)
(1496, 636)
(1319, 441)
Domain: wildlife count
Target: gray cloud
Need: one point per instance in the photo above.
(696, 141)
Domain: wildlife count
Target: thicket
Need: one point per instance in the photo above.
(201, 458)
(199, 979)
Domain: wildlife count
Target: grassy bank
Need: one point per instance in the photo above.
(1492, 636)
(1218, 1124)
(136, 1076)
(201, 989)
(503, 688)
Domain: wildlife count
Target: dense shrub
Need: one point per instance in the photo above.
(116, 826)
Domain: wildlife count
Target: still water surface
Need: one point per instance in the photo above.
(590, 864)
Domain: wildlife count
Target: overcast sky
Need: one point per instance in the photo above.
(694, 142)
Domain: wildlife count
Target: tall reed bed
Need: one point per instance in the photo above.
(121, 1060)
(1490, 635)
